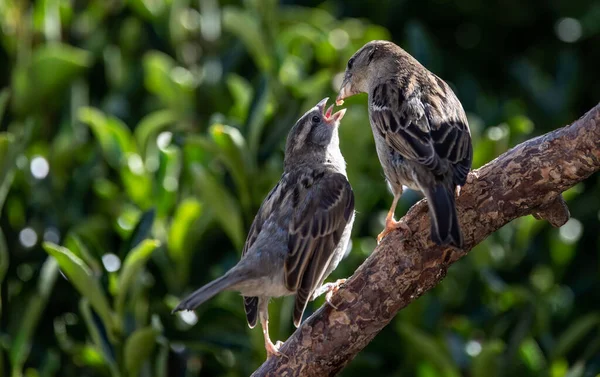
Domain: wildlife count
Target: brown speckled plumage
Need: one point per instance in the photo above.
(301, 231)
(420, 128)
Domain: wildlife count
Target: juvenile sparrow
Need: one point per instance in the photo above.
(421, 133)
(301, 230)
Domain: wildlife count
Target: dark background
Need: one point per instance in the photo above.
(142, 136)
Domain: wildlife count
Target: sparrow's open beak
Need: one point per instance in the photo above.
(338, 116)
(321, 105)
(330, 118)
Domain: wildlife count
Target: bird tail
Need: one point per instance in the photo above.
(206, 292)
(445, 228)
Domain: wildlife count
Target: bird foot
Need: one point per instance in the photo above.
(390, 225)
(273, 349)
(332, 288)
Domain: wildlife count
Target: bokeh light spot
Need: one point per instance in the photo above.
(135, 163)
(568, 29)
(51, 234)
(473, 348)
(571, 231)
(28, 237)
(39, 167)
(164, 140)
(170, 184)
(336, 81)
(339, 38)
(189, 317)
(111, 262)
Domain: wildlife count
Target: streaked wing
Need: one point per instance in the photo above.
(321, 213)
(420, 130)
(270, 202)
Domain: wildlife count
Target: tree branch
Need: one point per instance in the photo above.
(528, 179)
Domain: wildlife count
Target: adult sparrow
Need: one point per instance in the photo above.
(301, 231)
(421, 133)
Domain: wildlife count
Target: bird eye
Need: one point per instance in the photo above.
(350, 63)
(316, 119)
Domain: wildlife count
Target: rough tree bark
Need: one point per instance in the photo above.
(528, 179)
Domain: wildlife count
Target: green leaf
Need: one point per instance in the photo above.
(74, 243)
(241, 91)
(134, 262)
(256, 118)
(575, 334)
(11, 146)
(51, 69)
(114, 136)
(21, 344)
(142, 229)
(487, 362)
(532, 355)
(428, 347)
(138, 348)
(188, 211)
(95, 332)
(168, 179)
(151, 124)
(234, 153)
(577, 370)
(221, 202)
(174, 85)
(4, 97)
(248, 29)
(4, 257)
(7, 165)
(81, 277)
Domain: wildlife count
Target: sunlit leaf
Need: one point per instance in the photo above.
(219, 199)
(142, 229)
(575, 333)
(134, 262)
(188, 211)
(97, 334)
(82, 278)
(51, 69)
(138, 348)
(173, 84)
(532, 355)
(256, 116)
(21, 344)
(242, 92)
(151, 124)
(114, 136)
(247, 28)
(168, 179)
(234, 153)
(74, 243)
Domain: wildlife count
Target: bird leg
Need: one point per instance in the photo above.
(457, 191)
(272, 349)
(331, 289)
(390, 223)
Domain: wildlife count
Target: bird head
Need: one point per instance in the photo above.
(314, 137)
(366, 62)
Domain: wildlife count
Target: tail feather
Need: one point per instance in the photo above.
(445, 228)
(206, 292)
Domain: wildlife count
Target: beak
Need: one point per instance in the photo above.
(344, 93)
(321, 105)
(339, 115)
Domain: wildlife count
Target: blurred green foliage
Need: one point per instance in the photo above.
(139, 137)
